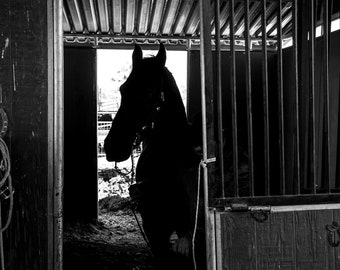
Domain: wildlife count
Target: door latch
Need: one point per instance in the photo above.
(259, 213)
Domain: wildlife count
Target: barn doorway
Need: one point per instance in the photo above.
(113, 67)
(113, 240)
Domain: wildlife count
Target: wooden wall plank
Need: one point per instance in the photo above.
(238, 241)
(336, 251)
(275, 242)
(312, 250)
(286, 240)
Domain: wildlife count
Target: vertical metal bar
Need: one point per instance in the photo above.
(296, 89)
(58, 132)
(265, 98)
(326, 32)
(312, 89)
(219, 94)
(249, 102)
(207, 106)
(233, 97)
(280, 100)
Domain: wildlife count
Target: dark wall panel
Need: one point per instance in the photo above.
(24, 93)
(80, 183)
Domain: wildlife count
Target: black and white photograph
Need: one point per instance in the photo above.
(170, 134)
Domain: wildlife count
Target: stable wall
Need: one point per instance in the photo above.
(305, 111)
(194, 106)
(286, 240)
(80, 116)
(26, 35)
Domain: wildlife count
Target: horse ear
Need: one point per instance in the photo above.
(137, 55)
(161, 55)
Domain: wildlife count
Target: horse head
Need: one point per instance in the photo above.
(140, 95)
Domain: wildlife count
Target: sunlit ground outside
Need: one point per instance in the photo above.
(113, 67)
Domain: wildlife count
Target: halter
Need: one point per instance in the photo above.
(150, 124)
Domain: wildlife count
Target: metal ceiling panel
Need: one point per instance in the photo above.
(130, 16)
(144, 15)
(183, 16)
(90, 16)
(238, 16)
(192, 24)
(103, 13)
(256, 26)
(157, 16)
(75, 16)
(253, 11)
(66, 22)
(170, 16)
(166, 19)
(117, 16)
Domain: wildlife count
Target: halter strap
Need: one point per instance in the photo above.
(150, 124)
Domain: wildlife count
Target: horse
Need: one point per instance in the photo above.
(151, 107)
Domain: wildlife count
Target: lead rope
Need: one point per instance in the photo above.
(203, 164)
(196, 213)
(5, 193)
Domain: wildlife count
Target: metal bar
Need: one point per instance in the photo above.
(312, 93)
(304, 207)
(55, 132)
(233, 97)
(265, 99)
(279, 200)
(326, 34)
(219, 95)
(207, 106)
(249, 102)
(280, 100)
(296, 89)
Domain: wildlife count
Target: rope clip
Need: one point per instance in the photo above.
(204, 163)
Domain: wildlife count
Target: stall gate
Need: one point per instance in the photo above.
(272, 184)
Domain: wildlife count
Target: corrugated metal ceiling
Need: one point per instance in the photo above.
(164, 18)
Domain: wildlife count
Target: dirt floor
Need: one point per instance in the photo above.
(115, 241)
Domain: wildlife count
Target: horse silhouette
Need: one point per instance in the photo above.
(151, 106)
